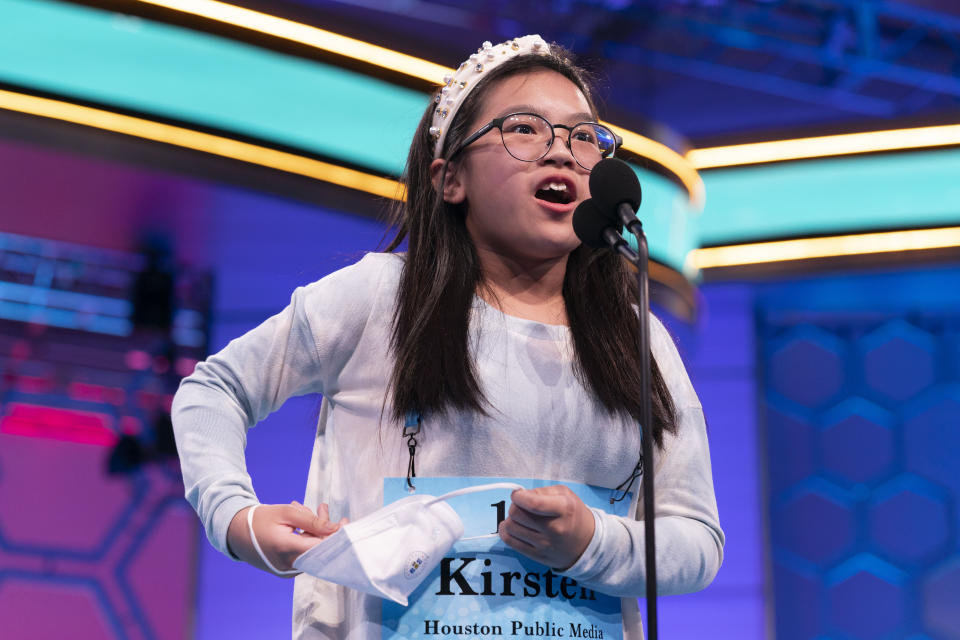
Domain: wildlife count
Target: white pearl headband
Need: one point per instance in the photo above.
(468, 74)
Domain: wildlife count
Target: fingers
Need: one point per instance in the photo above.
(283, 532)
(545, 501)
(527, 527)
(523, 540)
(324, 512)
(549, 524)
(310, 524)
(533, 534)
(524, 519)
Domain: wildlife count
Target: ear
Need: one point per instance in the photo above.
(454, 191)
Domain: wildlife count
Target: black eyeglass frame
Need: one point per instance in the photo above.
(497, 123)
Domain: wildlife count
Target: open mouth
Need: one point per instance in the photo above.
(556, 191)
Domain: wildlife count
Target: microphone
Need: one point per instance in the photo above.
(597, 230)
(616, 189)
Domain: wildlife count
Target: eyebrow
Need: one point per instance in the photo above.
(527, 108)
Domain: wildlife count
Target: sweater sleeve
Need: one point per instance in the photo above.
(296, 352)
(689, 540)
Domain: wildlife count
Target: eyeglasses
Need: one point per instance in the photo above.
(528, 137)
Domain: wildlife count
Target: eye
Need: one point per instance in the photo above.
(524, 125)
(584, 135)
(522, 128)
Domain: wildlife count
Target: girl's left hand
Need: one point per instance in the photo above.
(549, 524)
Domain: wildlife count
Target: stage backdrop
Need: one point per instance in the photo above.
(860, 408)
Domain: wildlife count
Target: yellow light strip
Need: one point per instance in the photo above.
(806, 248)
(208, 143)
(824, 146)
(667, 157)
(408, 65)
(310, 36)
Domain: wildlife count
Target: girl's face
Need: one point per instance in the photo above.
(514, 207)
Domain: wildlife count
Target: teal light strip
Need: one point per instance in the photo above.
(170, 71)
(160, 69)
(830, 196)
(45, 297)
(668, 221)
(65, 318)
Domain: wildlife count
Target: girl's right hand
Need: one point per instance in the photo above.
(284, 531)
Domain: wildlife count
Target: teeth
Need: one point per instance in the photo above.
(557, 186)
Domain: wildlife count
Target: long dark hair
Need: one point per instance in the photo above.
(433, 370)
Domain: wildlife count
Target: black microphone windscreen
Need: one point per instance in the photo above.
(612, 182)
(589, 223)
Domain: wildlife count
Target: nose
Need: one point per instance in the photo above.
(559, 151)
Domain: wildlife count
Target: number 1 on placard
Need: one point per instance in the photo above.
(501, 508)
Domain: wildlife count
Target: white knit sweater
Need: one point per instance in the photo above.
(333, 339)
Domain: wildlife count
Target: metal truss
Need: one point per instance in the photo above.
(870, 57)
(860, 56)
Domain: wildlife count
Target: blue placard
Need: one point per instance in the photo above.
(484, 589)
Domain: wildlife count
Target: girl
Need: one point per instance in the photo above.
(498, 345)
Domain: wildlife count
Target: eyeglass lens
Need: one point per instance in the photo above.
(528, 137)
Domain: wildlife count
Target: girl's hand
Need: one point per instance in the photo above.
(549, 524)
(284, 531)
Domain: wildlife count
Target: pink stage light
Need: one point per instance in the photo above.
(58, 424)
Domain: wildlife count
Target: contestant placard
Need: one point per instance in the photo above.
(484, 589)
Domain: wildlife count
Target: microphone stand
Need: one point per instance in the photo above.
(646, 412)
(640, 260)
(585, 225)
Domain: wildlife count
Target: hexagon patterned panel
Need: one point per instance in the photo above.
(86, 553)
(96, 538)
(861, 414)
